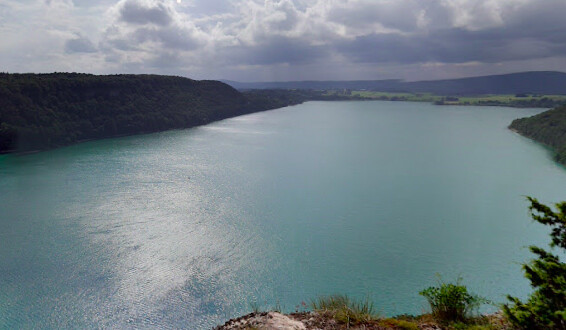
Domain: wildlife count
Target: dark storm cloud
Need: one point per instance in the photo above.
(457, 45)
(536, 30)
(79, 45)
(137, 13)
(540, 20)
(277, 50)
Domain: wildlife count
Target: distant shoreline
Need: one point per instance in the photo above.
(547, 128)
(279, 106)
(47, 111)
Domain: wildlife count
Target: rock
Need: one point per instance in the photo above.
(264, 321)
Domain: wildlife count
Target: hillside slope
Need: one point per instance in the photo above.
(536, 82)
(41, 111)
(548, 127)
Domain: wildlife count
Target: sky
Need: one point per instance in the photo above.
(282, 40)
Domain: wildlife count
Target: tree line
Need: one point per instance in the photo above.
(548, 127)
(41, 111)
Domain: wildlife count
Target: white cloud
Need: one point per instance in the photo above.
(257, 38)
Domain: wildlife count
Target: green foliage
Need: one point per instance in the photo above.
(451, 302)
(546, 307)
(548, 127)
(41, 111)
(345, 310)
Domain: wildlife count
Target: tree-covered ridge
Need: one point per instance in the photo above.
(548, 127)
(41, 111)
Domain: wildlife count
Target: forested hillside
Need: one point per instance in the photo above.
(41, 111)
(548, 127)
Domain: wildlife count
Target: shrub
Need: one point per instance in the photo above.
(451, 302)
(345, 310)
(546, 307)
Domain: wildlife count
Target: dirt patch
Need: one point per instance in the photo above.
(270, 320)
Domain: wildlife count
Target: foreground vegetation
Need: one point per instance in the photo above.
(353, 313)
(546, 307)
(452, 305)
(451, 302)
(345, 310)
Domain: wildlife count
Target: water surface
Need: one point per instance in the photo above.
(189, 228)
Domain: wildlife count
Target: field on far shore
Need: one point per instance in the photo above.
(518, 100)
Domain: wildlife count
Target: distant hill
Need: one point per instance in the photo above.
(41, 111)
(381, 85)
(537, 82)
(540, 82)
(548, 128)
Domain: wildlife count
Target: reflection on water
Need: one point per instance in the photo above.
(189, 228)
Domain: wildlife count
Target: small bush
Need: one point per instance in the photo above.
(451, 302)
(345, 310)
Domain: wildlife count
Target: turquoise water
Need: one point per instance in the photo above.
(189, 228)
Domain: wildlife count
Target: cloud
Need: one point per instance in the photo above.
(79, 45)
(366, 16)
(137, 12)
(145, 29)
(518, 32)
(276, 50)
(286, 38)
(454, 45)
(172, 38)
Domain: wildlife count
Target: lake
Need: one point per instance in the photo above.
(189, 228)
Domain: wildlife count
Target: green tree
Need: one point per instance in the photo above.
(546, 307)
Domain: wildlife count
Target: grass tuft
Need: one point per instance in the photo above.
(345, 310)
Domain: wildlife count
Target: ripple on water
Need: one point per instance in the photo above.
(188, 228)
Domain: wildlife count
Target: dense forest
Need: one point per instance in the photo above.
(41, 111)
(548, 127)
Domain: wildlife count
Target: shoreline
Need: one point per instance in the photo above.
(30, 152)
